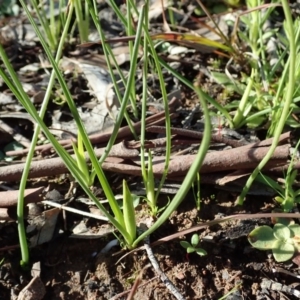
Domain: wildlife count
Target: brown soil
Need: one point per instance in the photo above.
(75, 268)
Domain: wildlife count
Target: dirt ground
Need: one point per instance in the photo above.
(75, 268)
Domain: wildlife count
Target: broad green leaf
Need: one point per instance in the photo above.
(200, 251)
(284, 221)
(281, 232)
(295, 229)
(185, 244)
(195, 240)
(190, 249)
(283, 251)
(279, 199)
(262, 238)
(288, 204)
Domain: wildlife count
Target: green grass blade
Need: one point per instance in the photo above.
(288, 101)
(191, 175)
(119, 223)
(129, 214)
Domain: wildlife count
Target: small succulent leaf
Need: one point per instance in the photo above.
(262, 237)
(201, 251)
(279, 199)
(190, 250)
(185, 244)
(288, 204)
(195, 240)
(295, 230)
(281, 232)
(283, 221)
(283, 251)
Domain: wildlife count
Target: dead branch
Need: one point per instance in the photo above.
(246, 158)
(55, 166)
(10, 198)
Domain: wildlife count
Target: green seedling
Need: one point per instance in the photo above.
(129, 215)
(149, 183)
(286, 85)
(148, 178)
(283, 240)
(123, 221)
(87, 176)
(288, 197)
(291, 197)
(192, 247)
(82, 19)
(51, 25)
(197, 192)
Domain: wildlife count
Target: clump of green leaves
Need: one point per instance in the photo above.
(124, 221)
(291, 196)
(282, 239)
(192, 247)
(288, 197)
